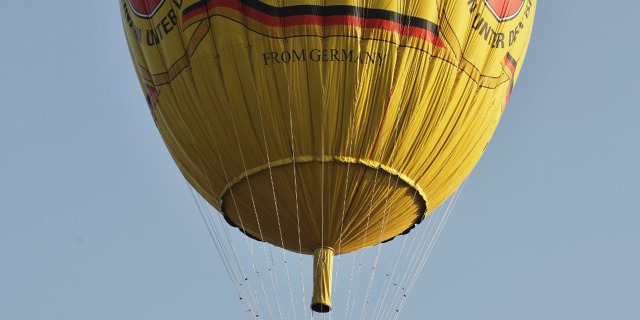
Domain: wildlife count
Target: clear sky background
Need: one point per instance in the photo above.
(96, 222)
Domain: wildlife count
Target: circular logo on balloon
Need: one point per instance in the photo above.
(145, 8)
(504, 9)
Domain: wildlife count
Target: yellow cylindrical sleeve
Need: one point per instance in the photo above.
(322, 269)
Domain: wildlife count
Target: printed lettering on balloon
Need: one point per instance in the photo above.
(502, 10)
(324, 55)
(133, 10)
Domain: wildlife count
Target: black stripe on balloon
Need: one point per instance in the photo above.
(326, 11)
(513, 61)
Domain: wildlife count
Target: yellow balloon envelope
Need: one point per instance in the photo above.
(326, 126)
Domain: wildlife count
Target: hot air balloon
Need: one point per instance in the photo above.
(326, 127)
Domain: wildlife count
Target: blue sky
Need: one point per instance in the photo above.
(97, 223)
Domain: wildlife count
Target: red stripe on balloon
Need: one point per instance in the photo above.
(318, 20)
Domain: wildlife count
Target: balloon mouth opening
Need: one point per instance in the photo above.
(233, 199)
(320, 307)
